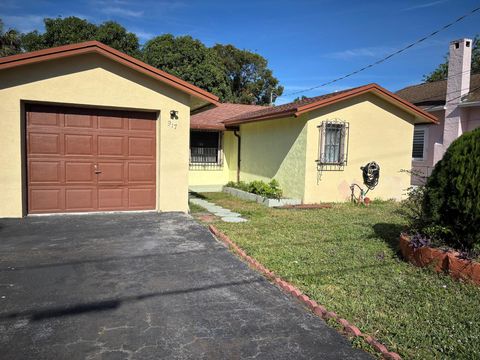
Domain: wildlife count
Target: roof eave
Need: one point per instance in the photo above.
(469, 104)
(290, 112)
(365, 89)
(207, 127)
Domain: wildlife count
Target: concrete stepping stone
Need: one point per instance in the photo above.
(224, 214)
(233, 219)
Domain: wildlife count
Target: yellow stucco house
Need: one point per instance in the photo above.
(85, 128)
(314, 147)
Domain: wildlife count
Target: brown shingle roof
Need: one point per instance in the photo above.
(212, 119)
(274, 111)
(302, 106)
(434, 93)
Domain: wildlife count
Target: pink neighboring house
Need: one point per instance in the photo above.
(456, 104)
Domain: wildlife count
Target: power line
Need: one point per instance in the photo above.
(388, 56)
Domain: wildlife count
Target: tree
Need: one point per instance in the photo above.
(9, 41)
(232, 74)
(299, 98)
(115, 35)
(250, 80)
(441, 72)
(71, 30)
(190, 60)
(451, 205)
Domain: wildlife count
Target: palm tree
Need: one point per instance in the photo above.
(9, 41)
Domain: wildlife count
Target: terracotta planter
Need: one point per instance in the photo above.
(463, 269)
(441, 261)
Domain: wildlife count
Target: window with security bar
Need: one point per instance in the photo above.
(206, 150)
(333, 144)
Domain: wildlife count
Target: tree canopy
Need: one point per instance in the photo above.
(71, 30)
(232, 74)
(250, 80)
(190, 60)
(441, 72)
(10, 42)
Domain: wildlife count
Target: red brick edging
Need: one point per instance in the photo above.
(317, 309)
(442, 261)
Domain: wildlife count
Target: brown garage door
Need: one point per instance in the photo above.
(89, 159)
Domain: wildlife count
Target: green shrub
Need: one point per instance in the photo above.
(451, 201)
(271, 190)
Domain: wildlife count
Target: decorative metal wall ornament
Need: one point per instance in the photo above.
(371, 176)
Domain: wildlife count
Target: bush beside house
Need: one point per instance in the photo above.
(445, 213)
(269, 190)
(451, 204)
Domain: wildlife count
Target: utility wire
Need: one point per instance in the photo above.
(388, 56)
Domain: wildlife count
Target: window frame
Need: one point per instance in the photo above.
(423, 128)
(218, 164)
(343, 144)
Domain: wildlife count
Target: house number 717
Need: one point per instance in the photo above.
(172, 124)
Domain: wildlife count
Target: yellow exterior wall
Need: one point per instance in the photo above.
(92, 80)
(275, 149)
(215, 179)
(379, 131)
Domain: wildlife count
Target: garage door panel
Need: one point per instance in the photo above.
(141, 147)
(79, 120)
(141, 198)
(81, 199)
(111, 199)
(43, 119)
(79, 172)
(110, 123)
(141, 172)
(111, 172)
(90, 160)
(45, 199)
(45, 172)
(44, 144)
(141, 124)
(111, 145)
(79, 145)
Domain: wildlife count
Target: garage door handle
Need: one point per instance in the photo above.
(98, 172)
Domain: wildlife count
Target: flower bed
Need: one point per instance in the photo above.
(260, 199)
(441, 261)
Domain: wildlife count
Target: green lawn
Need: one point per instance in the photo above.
(346, 259)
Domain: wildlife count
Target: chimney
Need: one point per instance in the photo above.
(459, 63)
(458, 85)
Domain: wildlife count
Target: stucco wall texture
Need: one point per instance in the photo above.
(92, 80)
(286, 149)
(275, 149)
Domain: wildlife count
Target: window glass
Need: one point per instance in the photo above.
(418, 143)
(204, 147)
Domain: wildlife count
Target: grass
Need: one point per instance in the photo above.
(194, 208)
(346, 258)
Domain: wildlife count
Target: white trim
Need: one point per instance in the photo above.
(469, 104)
(433, 108)
(425, 141)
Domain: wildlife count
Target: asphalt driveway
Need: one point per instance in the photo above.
(144, 286)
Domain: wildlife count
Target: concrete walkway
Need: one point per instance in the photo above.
(225, 214)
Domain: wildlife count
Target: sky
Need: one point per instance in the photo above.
(306, 43)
